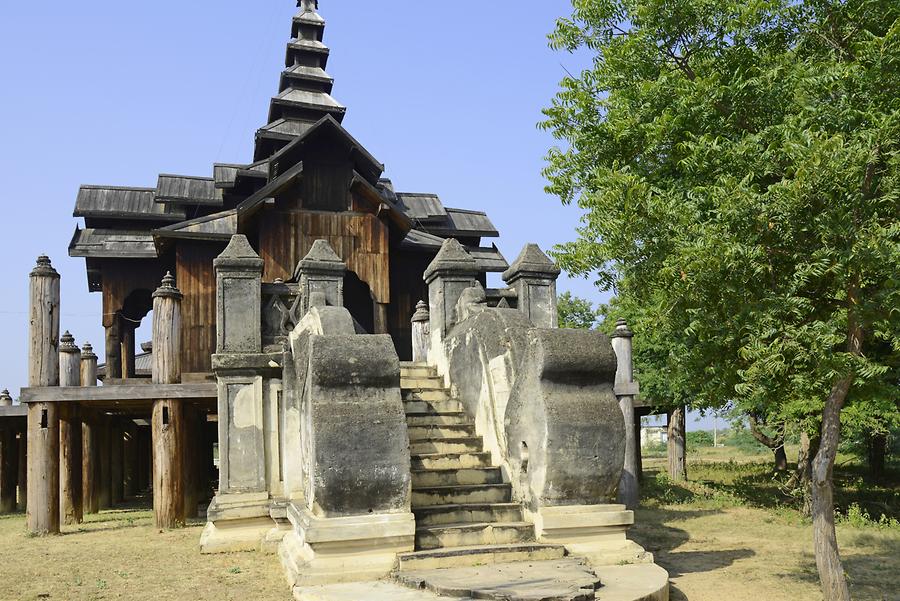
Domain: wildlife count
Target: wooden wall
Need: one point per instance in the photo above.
(196, 279)
(359, 239)
(407, 289)
(121, 277)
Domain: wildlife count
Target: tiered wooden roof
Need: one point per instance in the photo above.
(138, 223)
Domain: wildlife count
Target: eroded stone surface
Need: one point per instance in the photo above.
(558, 580)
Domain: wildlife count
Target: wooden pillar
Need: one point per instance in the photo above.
(104, 453)
(43, 418)
(130, 459)
(9, 468)
(23, 470)
(380, 317)
(90, 448)
(126, 330)
(629, 486)
(113, 350)
(144, 468)
(71, 510)
(117, 461)
(421, 337)
(168, 414)
(189, 467)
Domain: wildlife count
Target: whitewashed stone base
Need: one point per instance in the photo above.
(326, 551)
(236, 522)
(595, 532)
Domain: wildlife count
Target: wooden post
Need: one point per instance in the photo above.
(130, 459)
(114, 350)
(9, 469)
(23, 470)
(70, 450)
(421, 337)
(168, 414)
(90, 448)
(104, 471)
(629, 486)
(126, 329)
(116, 461)
(43, 418)
(380, 317)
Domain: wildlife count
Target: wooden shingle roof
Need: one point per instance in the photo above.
(114, 202)
(112, 244)
(182, 189)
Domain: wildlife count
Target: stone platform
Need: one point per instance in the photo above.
(556, 580)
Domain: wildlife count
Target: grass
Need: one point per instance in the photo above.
(733, 528)
(728, 533)
(119, 555)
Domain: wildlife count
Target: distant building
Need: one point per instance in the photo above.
(653, 435)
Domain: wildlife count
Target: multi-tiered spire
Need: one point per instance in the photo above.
(305, 91)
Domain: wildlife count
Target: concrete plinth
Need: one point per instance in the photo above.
(236, 522)
(348, 549)
(595, 532)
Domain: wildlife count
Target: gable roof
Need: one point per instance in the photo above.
(185, 189)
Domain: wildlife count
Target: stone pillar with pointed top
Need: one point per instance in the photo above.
(90, 448)
(43, 418)
(8, 463)
(533, 276)
(71, 510)
(629, 486)
(321, 271)
(238, 516)
(420, 333)
(167, 421)
(238, 298)
(450, 274)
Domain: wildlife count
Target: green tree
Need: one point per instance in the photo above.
(576, 313)
(738, 163)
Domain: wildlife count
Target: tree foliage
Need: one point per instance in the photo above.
(576, 312)
(739, 164)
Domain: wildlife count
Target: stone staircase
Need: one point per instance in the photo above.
(464, 510)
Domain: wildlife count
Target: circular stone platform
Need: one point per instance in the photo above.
(557, 580)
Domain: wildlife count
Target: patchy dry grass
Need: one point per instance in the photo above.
(119, 555)
(731, 533)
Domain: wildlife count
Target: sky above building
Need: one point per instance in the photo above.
(446, 95)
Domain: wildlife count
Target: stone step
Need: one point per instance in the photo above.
(437, 515)
(471, 534)
(450, 461)
(450, 495)
(456, 477)
(480, 555)
(443, 446)
(447, 431)
(432, 383)
(426, 395)
(418, 372)
(439, 407)
(424, 419)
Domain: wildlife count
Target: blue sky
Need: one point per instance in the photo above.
(447, 95)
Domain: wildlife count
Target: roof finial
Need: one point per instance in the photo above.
(308, 6)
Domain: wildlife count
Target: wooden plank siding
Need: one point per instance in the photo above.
(196, 279)
(360, 239)
(122, 277)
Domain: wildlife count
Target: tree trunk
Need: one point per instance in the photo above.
(877, 449)
(776, 443)
(676, 445)
(781, 463)
(828, 559)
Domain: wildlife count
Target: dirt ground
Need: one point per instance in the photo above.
(750, 553)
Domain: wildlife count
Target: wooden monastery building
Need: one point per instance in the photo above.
(310, 179)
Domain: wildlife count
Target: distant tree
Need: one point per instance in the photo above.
(739, 165)
(575, 312)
